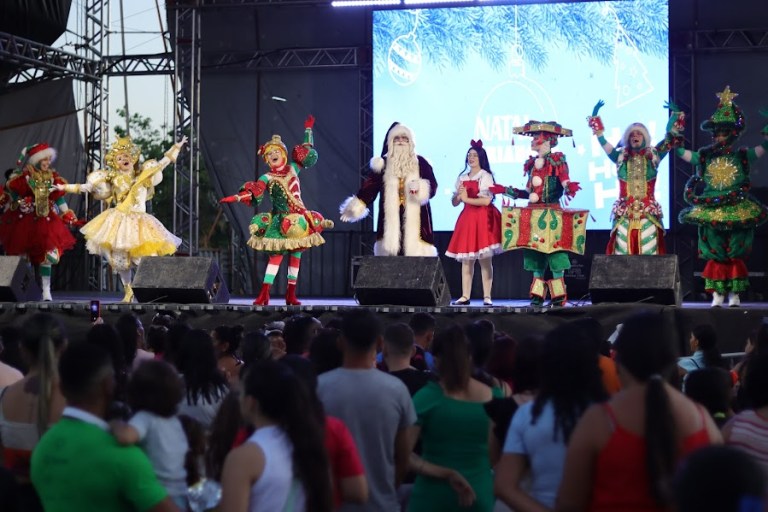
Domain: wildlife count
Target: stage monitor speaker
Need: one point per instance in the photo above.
(180, 280)
(402, 281)
(640, 278)
(17, 281)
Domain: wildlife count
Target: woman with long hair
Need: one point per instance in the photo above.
(535, 446)
(205, 384)
(458, 449)
(29, 406)
(283, 466)
(623, 454)
(477, 235)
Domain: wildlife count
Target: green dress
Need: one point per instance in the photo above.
(454, 434)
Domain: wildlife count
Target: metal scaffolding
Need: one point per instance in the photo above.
(186, 178)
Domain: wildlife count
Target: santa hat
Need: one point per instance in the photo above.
(39, 152)
(640, 127)
(395, 130)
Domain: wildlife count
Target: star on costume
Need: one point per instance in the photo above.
(290, 228)
(544, 229)
(406, 183)
(37, 221)
(124, 233)
(637, 216)
(720, 203)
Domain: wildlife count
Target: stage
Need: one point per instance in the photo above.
(515, 317)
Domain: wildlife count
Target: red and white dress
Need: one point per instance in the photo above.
(477, 234)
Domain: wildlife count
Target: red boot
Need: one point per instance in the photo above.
(263, 298)
(290, 296)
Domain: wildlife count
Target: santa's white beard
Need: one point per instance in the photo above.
(402, 161)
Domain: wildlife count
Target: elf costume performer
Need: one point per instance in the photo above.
(290, 228)
(636, 215)
(548, 182)
(36, 224)
(124, 232)
(721, 205)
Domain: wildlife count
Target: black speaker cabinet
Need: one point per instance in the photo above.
(180, 280)
(402, 281)
(17, 281)
(654, 279)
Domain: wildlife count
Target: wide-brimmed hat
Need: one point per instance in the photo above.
(533, 127)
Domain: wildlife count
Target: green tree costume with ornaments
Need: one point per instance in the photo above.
(720, 203)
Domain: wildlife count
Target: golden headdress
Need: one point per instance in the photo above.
(122, 145)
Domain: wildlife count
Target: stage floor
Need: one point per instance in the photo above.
(515, 317)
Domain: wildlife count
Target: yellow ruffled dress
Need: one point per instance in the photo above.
(125, 233)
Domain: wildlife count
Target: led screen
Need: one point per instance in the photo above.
(462, 73)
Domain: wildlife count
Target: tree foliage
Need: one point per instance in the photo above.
(446, 36)
(154, 142)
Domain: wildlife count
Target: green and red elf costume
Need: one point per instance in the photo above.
(37, 223)
(548, 181)
(637, 217)
(290, 228)
(720, 203)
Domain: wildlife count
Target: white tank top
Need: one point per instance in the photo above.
(276, 490)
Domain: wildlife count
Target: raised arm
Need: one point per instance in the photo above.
(598, 129)
(305, 154)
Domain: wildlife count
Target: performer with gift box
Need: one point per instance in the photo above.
(544, 230)
(477, 235)
(720, 203)
(37, 222)
(636, 215)
(290, 228)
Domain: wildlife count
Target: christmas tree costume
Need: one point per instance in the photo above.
(124, 232)
(37, 222)
(720, 203)
(636, 215)
(290, 228)
(477, 235)
(548, 182)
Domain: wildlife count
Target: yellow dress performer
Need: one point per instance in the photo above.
(124, 233)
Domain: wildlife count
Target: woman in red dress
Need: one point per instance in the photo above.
(477, 235)
(36, 224)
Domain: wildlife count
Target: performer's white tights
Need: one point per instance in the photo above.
(125, 276)
(486, 271)
(468, 273)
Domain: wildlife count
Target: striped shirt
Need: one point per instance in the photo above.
(749, 432)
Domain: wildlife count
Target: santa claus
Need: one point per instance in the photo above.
(406, 183)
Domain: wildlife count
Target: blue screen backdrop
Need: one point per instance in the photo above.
(462, 73)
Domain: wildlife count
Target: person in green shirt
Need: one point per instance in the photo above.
(78, 465)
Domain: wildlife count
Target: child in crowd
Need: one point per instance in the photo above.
(154, 392)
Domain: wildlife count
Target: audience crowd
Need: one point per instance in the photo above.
(355, 415)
